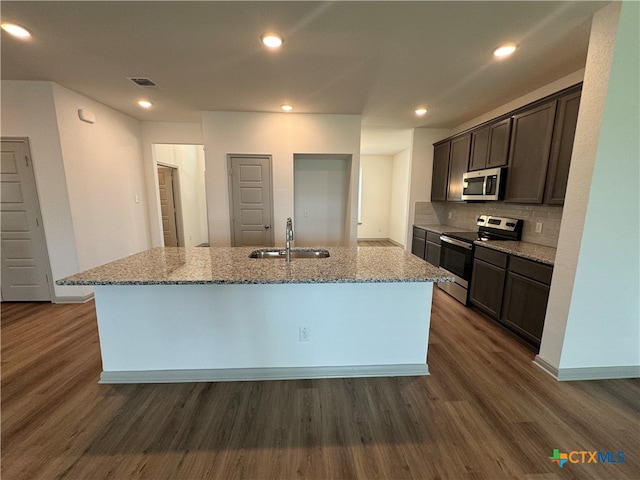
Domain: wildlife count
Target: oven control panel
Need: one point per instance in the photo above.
(500, 223)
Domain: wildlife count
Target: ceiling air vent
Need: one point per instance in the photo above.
(143, 82)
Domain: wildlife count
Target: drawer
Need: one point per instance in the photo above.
(530, 269)
(433, 237)
(419, 232)
(491, 256)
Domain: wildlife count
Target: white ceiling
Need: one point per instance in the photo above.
(375, 59)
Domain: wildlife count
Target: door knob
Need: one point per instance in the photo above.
(267, 227)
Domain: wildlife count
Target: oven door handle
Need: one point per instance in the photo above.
(456, 242)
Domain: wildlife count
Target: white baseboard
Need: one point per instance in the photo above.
(254, 374)
(74, 299)
(588, 373)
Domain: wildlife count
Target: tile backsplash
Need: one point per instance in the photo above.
(464, 215)
(428, 213)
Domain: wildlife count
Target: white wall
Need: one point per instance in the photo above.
(87, 175)
(162, 132)
(400, 181)
(280, 135)
(28, 110)
(421, 171)
(320, 200)
(592, 316)
(103, 168)
(375, 196)
(189, 161)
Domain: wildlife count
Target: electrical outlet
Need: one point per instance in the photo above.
(450, 215)
(538, 227)
(303, 333)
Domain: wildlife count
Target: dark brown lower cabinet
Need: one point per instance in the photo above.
(525, 306)
(418, 242)
(433, 249)
(487, 280)
(511, 290)
(526, 294)
(487, 287)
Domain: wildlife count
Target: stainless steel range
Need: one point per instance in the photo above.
(456, 253)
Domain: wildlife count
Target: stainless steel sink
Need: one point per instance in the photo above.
(295, 253)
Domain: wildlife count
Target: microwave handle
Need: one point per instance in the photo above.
(488, 185)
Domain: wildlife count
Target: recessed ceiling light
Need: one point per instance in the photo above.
(272, 40)
(145, 103)
(504, 50)
(421, 110)
(15, 30)
(286, 107)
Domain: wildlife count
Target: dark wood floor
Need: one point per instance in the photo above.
(376, 243)
(485, 412)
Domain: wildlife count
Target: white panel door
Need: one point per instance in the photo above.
(25, 267)
(251, 201)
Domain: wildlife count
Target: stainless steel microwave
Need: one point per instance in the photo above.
(484, 184)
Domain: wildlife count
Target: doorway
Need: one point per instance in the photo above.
(321, 199)
(26, 272)
(250, 200)
(183, 178)
(166, 188)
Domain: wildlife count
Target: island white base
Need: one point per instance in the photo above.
(204, 333)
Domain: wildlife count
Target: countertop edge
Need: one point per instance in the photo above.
(443, 279)
(538, 253)
(440, 228)
(530, 251)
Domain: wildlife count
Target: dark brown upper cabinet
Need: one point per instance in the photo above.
(458, 163)
(490, 145)
(440, 171)
(561, 148)
(529, 154)
(535, 142)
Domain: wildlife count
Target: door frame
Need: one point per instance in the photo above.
(47, 260)
(269, 158)
(177, 199)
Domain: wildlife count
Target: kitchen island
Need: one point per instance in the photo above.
(214, 314)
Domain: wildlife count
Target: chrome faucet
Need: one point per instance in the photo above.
(288, 238)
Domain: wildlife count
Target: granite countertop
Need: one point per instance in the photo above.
(531, 251)
(439, 228)
(228, 265)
